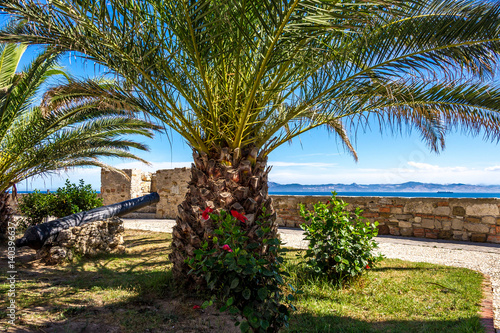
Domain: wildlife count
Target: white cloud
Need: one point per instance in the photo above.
(305, 164)
(425, 166)
(493, 168)
(154, 165)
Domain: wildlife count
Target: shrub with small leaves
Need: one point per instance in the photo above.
(73, 198)
(245, 278)
(341, 243)
(37, 206)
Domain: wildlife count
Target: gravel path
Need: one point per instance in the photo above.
(484, 258)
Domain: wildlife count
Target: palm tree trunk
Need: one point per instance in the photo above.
(5, 214)
(228, 180)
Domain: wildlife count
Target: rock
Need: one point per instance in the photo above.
(89, 239)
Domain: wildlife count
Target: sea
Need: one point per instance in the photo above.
(385, 194)
(398, 194)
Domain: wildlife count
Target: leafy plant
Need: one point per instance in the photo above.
(72, 198)
(340, 242)
(35, 207)
(245, 277)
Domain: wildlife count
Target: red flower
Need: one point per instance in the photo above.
(227, 248)
(196, 307)
(367, 267)
(328, 202)
(205, 213)
(239, 216)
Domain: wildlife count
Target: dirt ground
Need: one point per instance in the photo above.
(74, 298)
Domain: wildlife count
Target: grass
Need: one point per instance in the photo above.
(396, 296)
(134, 292)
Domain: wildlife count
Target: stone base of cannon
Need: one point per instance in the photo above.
(87, 240)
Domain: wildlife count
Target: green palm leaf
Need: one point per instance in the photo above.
(74, 126)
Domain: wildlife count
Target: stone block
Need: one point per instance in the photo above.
(458, 211)
(418, 219)
(384, 209)
(438, 224)
(446, 225)
(477, 228)
(394, 230)
(428, 223)
(443, 203)
(457, 224)
(396, 210)
(488, 220)
(442, 210)
(418, 206)
(406, 231)
(472, 219)
(482, 209)
(445, 234)
(403, 224)
(457, 235)
(497, 230)
(481, 238)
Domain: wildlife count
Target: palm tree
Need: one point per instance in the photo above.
(73, 127)
(238, 78)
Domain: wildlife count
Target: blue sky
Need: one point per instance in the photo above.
(317, 157)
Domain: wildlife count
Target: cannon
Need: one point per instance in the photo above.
(36, 235)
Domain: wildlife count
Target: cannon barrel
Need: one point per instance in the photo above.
(36, 235)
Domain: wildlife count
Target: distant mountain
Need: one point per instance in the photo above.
(405, 187)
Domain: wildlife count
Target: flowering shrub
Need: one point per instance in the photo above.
(340, 243)
(244, 277)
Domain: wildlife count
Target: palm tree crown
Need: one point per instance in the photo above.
(258, 73)
(74, 126)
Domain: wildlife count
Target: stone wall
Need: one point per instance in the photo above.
(446, 218)
(171, 185)
(476, 220)
(90, 239)
(115, 187)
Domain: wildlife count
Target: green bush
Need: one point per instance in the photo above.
(340, 243)
(244, 277)
(36, 206)
(73, 198)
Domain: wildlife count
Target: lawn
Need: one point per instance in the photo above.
(133, 292)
